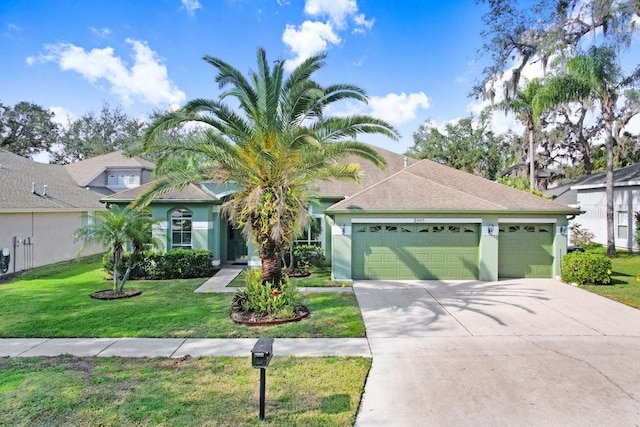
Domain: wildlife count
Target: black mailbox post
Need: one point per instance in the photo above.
(262, 353)
(260, 357)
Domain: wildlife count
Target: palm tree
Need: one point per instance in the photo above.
(276, 145)
(594, 74)
(116, 228)
(522, 106)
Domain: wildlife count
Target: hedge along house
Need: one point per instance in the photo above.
(412, 220)
(192, 219)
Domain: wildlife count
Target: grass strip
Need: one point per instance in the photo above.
(211, 391)
(625, 278)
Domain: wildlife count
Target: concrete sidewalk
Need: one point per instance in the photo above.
(220, 283)
(179, 347)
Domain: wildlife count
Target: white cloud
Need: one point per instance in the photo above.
(101, 32)
(283, 2)
(145, 81)
(399, 108)
(336, 10)
(362, 24)
(313, 37)
(191, 6)
(61, 115)
(307, 40)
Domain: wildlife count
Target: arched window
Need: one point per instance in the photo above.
(181, 229)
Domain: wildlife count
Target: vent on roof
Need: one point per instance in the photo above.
(406, 162)
(44, 190)
(34, 188)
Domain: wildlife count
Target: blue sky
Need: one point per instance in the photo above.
(415, 58)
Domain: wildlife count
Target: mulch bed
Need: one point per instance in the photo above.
(253, 319)
(110, 294)
(298, 273)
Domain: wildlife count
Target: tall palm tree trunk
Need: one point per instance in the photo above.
(532, 156)
(271, 264)
(608, 125)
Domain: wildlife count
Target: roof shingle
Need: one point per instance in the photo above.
(17, 175)
(430, 186)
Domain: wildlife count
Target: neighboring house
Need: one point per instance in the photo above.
(413, 220)
(589, 195)
(41, 205)
(112, 172)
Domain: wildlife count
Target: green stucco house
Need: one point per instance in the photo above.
(416, 219)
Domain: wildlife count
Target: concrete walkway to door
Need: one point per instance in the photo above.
(513, 352)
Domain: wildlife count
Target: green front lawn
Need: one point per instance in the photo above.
(54, 302)
(210, 391)
(625, 287)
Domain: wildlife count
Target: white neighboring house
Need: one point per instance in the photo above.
(41, 205)
(589, 195)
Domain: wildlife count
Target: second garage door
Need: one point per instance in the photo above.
(412, 251)
(525, 250)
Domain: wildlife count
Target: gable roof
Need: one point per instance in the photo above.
(192, 193)
(430, 186)
(371, 174)
(63, 193)
(332, 189)
(86, 170)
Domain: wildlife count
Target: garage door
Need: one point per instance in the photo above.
(525, 250)
(410, 251)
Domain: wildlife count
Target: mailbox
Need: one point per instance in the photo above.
(262, 353)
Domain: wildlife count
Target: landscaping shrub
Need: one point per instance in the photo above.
(266, 300)
(586, 269)
(307, 255)
(580, 236)
(175, 264)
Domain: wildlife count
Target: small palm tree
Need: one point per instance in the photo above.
(116, 228)
(522, 105)
(276, 145)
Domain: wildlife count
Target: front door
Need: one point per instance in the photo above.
(236, 246)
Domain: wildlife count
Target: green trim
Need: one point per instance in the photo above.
(164, 201)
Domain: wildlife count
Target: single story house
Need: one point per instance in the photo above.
(41, 205)
(589, 195)
(416, 219)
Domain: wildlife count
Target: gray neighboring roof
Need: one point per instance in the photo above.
(563, 194)
(17, 175)
(86, 170)
(191, 193)
(430, 186)
(371, 174)
(567, 194)
(629, 175)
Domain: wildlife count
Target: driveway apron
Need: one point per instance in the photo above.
(512, 352)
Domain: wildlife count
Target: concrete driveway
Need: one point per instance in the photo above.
(513, 352)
